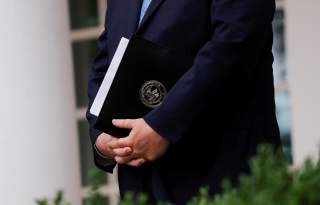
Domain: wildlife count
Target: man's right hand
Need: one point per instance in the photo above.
(102, 145)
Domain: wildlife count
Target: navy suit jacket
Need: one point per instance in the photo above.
(220, 109)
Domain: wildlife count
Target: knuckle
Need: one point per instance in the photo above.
(141, 162)
(151, 157)
(123, 153)
(137, 153)
(128, 143)
(137, 163)
(115, 151)
(120, 161)
(103, 149)
(109, 152)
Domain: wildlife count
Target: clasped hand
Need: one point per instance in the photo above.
(142, 145)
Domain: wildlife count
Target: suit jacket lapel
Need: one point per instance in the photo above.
(152, 8)
(133, 15)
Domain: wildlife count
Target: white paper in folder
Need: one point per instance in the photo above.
(108, 78)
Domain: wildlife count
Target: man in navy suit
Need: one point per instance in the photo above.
(212, 120)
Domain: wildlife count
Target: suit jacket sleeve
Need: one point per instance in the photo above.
(97, 74)
(239, 32)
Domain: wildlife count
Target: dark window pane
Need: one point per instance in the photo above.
(83, 55)
(83, 13)
(86, 155)
(284, 119)
(279, 51)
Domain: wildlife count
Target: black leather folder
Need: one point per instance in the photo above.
(145, 75)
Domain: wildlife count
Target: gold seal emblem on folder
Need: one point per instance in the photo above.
(152, 93)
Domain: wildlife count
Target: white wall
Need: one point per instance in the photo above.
(38, 139)
(303, 40)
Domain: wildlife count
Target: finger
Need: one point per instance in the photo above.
(136, 162)
(122, 152)
(106, 135)
(104, 138)
(123, 160)
(109, 137)
(126, 124)
(102, 145)
(120, 143)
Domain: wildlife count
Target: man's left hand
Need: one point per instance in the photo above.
(145, 142)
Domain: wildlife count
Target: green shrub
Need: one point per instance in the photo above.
(96, 180)
(271, 182)
(58, 200)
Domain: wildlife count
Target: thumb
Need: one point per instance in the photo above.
(126, 124)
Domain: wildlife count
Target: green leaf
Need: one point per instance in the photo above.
(58, 198)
